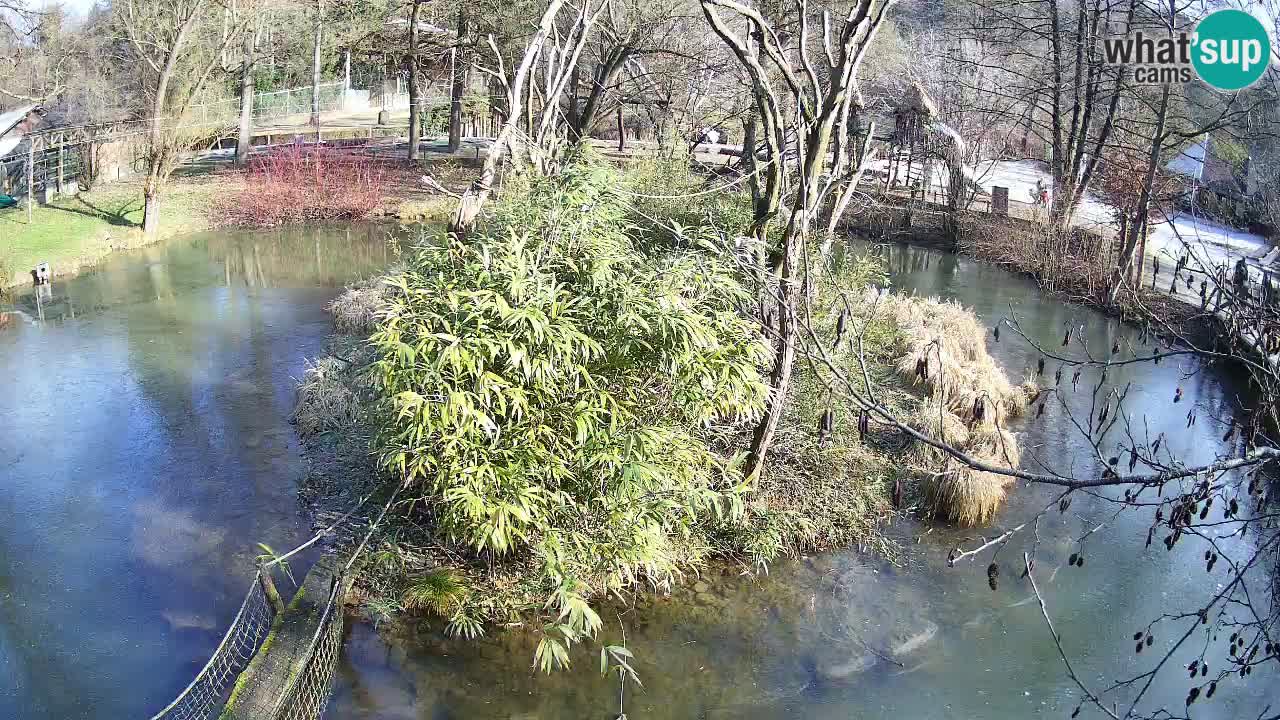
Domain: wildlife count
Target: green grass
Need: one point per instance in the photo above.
(76, 231)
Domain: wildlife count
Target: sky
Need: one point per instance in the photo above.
(79, 8)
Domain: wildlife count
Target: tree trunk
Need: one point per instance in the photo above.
(622, 131)
(575, 103)
(458, 88)
(151, 203)
(849, 187)
(779, 383)
(415, 102)
(316, 40)
(477, 194)
(244, 138)
(580, 124)
(1124, 268)
(156, 150)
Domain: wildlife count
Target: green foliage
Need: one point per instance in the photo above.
(661, 191)
(269, 555)
(547, 387)
(439, 592)
(463, 624)
(618, 658)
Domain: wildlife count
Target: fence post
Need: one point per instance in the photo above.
(269, 588)
(61, 146)
(31, 176)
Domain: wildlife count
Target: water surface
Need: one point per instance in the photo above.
(805, 640)
(145, 449)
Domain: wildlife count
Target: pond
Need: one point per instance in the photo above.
(145, 451)
(845, 635)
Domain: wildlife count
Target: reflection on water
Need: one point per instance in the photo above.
(812, 639)
(145, 451)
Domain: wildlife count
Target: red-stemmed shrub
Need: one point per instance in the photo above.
(302, 183)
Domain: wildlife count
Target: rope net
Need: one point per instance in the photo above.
(307, 695)
(307, 692)
(209, 690)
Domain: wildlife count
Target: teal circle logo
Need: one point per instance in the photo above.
(1231, 49)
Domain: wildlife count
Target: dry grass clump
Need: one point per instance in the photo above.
(943, 347)
(953, 491)
(326, 401)
(358, 309)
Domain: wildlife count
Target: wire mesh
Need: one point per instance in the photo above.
(53, 167)
(273, 104)
(209, 690)
(307, 695)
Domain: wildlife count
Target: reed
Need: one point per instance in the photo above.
(941, 348)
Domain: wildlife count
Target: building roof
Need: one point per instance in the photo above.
(1204, 163)
(1190, 161)
(10, 120)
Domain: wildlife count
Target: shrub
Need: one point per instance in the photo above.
(546, 386)
(666, 190)
(303, 183)
(356, 310)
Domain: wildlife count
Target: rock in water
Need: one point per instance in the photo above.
(916, 640)
(847, 668)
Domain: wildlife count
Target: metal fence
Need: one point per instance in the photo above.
(53, 167)
(274, 104)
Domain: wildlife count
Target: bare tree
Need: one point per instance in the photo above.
(473, 200)
(179, 44)
(415, 80)
(317, 48)
(36, 56)
(460, 78)
(1072, 103)
(248, 60)
(824, 94)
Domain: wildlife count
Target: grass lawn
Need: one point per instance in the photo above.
(75, 231)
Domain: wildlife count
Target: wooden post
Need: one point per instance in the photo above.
(31, 176)
(622, 135)
(269, 588)
(60, 166)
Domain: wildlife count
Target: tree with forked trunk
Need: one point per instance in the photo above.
(178, 45)
(805, 105)
(532, 98)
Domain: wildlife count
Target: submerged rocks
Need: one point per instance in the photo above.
(871, 619)
(915, 640)
(837, 669)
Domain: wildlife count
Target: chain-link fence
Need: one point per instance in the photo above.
(307, 688)
(207, 693)
(275, 104)
(308, 693)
